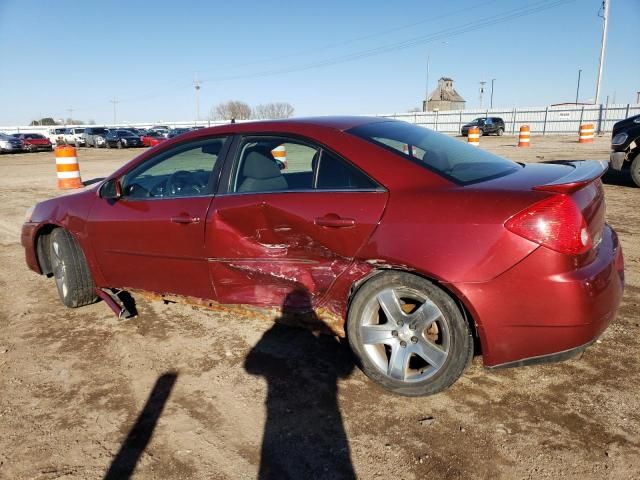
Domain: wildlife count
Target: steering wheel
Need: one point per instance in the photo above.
(182, 183)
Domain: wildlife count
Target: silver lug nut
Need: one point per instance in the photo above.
(414, 339)
(403, 343)
(400, 323)
(394, 333)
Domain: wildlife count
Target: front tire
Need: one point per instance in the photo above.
(635, 170)
(70, 270)
(408, 334)
(500, 132)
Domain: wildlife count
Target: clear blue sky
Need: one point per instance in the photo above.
(56, 55)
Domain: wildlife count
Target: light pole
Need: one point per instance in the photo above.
(115, 102)
(578, 87)
(492, 82)
(196, 85)
(482, 84)
(426, 93)
(605, 23)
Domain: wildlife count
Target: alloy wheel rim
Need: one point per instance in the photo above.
(405, 334)
(59, 270)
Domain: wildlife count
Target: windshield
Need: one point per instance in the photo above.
(78, 130)
(446, 155)
(125, 133)
(98, 131)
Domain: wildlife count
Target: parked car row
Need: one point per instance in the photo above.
(130, 137)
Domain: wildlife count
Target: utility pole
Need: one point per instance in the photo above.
(70, 110)
(605, 24)
(196, 85)
(578, 87)
(482, 84)
(115, 102)
(637, 97)
(492, 82)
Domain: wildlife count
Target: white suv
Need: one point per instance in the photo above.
(75, 137)
(57, 135)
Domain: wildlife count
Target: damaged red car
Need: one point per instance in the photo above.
(420, 250)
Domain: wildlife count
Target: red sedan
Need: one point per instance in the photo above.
(34, 141)
(151, 139)
(410, 243)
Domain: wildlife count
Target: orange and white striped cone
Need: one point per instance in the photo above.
(586, 133)
(280, 154)
(473, 136)
(524, 139)
(67, 167)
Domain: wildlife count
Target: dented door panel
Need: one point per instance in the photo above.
(262, 247)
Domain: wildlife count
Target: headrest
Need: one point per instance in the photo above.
(260, 166)
(212, 148)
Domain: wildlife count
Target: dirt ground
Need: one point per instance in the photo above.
(179, 392)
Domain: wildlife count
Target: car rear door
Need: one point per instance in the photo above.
(281, 238)
(152, 238)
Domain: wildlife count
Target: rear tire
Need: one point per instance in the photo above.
(70, 270)
(500, 132)
(408, 334)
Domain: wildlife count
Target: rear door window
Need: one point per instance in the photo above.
(278, 163)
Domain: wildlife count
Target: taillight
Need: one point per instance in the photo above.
(554, 222)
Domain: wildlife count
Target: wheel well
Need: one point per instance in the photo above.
(465, 311)
(43, 240)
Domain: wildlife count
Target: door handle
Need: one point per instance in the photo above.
(184, 219)
(334, 221)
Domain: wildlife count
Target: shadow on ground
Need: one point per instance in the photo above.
(304, 436)
(618, 178)
(127, 458)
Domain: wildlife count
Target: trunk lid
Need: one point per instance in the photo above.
(581, 180)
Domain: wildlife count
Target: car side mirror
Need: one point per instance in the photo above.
(111, 190)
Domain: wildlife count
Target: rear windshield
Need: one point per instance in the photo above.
(446, 155)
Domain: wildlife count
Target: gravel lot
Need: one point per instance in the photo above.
(82, 391)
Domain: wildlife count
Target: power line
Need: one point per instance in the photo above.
(429, 38)
(408, 43)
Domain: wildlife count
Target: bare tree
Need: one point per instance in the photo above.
(232, 109)
(273, 110)
(414, 110)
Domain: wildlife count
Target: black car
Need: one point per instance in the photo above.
(122, 138)
(625, 147)
(487, 126)
(174, 132)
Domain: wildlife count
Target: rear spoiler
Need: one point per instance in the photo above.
(584, 172)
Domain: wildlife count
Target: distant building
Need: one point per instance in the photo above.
(444, 97)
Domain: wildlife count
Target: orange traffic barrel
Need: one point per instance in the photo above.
(280, 154)
(473, 136)
(586, 133)
(525, 136)
(67, 167)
